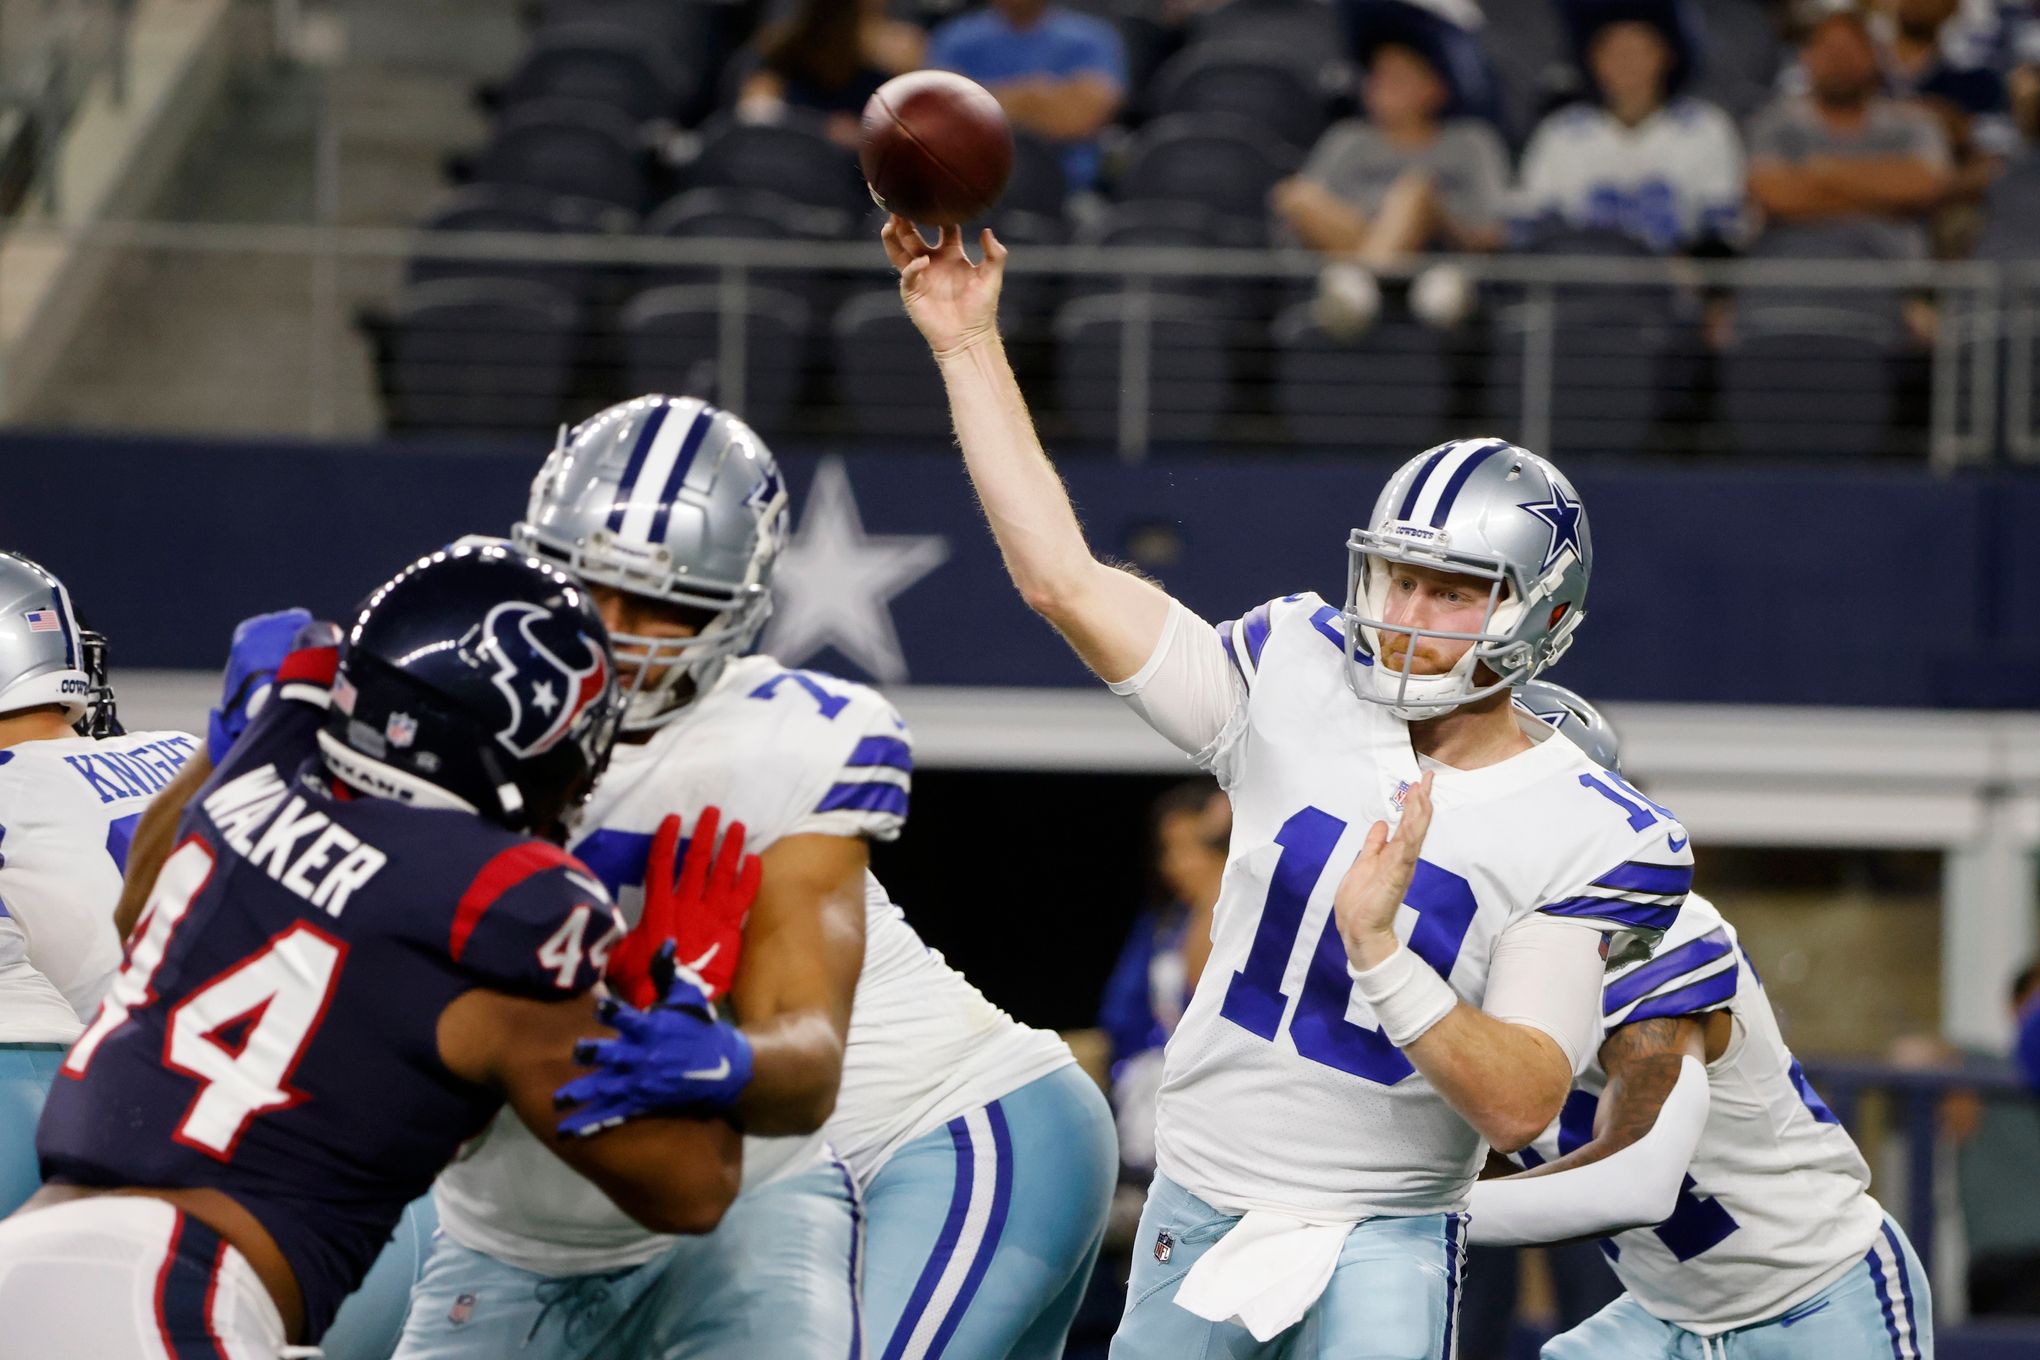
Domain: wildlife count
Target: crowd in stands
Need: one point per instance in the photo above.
(1372, 132)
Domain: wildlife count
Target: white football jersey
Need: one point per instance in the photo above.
(1279, 1090)
(68, 810)
(925, 1045)
(1669, 180)
(1776, 1204)
(786, 753)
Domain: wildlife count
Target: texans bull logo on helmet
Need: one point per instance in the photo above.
(547, 672)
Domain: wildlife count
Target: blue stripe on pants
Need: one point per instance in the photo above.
(856, 1240)
(966, 1235)
(185, 1289)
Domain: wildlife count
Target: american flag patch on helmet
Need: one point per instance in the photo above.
(43, 621)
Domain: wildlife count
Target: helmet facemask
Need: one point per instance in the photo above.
(1501, 643)
(663, 675)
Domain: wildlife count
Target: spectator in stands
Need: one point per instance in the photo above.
(1163, 957)
(828, 57)
(1845, 159)
(1059, 75)
(1969, 98)
(1641, 159)
(2026, 1010)
(1402, 179)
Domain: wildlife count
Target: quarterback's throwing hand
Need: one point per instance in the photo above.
(1373, 888)
(954, 303)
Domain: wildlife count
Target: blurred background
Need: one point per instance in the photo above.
(292, 291)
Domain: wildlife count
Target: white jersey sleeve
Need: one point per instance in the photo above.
(68, 810)
(1189, 690)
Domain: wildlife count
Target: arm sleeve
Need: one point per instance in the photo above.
(534, 922)
(1547, 974)
(1629, 1189)
(1191, 688)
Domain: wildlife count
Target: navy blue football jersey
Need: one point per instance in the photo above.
(274, 1032)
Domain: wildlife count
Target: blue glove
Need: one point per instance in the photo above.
(260, 645)
(2028, 1049)
(674, 1059)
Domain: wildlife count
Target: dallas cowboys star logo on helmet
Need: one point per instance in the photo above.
(1563, 515)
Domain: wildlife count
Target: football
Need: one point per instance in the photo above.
(936, 148)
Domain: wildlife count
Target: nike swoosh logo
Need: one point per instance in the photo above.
(1677, 843)
(716, 1073)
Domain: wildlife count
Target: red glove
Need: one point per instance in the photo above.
(702, 911)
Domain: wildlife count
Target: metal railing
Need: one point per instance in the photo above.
(357, 330)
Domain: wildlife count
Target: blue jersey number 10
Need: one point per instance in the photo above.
(1254, 999)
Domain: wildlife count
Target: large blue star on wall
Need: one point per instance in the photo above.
(1563, 515)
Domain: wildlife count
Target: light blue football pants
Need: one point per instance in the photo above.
(26, 1071)
(1394, 1294)
(776, 1278)
(1880, 1310)
(980, 1235)
(370, 1321)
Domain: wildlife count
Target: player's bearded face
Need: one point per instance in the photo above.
(1419, 597)
(637, 615)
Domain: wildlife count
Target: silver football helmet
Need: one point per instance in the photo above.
(675, 500)
(45, 657)
(1578, 721)
(1490, 511)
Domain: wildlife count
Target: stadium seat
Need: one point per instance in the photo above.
(1037, 185)
(480, 356)
(603, 63)
(885, 377)
(1526, 43)
(1877, 310)
(568, 147)
(511, 208)
(1307, 29)
(734, 214)
(1740, 71)
(1817, 392)
(1225, 164)
(672, 342)
(1185, 225)
(2011, 207)
(1187, 384)
(789, 156)
(1608, 362)
(683, 29)
(1388, 391)
(1251, 81)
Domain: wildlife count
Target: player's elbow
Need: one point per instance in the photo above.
(1508, 1132)
(694, 1203)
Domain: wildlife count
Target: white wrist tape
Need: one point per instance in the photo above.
(1406, 993)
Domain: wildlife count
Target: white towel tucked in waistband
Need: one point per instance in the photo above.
(1266, 1272)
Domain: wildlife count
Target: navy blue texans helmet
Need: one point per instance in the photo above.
(476, 678)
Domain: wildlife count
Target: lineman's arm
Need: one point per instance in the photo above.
(1629, 1175)
(671, 1175)
(803, 951)
(1111, 617)
(155, 837)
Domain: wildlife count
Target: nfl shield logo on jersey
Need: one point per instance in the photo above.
(401, 729)
(1165, 1246)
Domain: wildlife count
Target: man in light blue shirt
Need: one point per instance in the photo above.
(1060, 75)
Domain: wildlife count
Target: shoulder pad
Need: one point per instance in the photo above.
(1246, 637)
